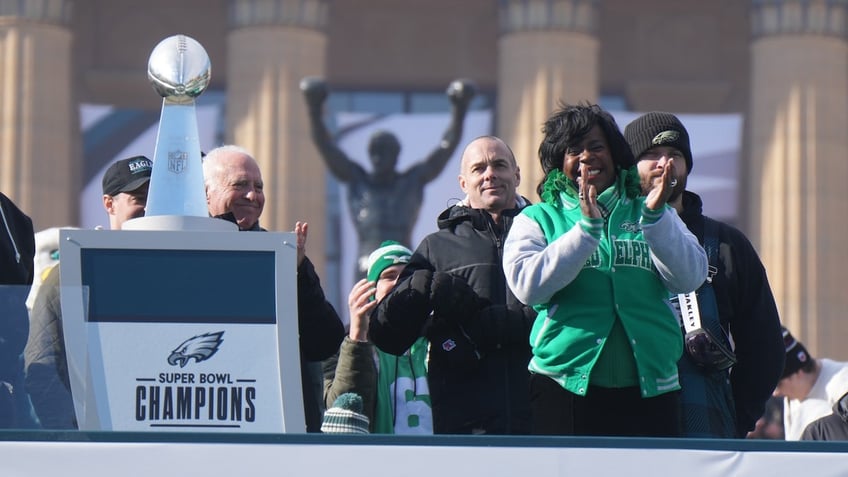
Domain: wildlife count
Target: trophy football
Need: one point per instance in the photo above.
(179, 71)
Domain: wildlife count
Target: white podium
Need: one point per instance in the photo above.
(182, 330)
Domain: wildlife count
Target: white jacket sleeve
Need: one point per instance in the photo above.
(680, 260)
(535, 270)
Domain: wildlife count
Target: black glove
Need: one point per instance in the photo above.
(501, 326)
(420, 282)
(397, 321)
(453, 300)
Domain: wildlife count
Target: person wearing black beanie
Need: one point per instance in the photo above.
(658, 129)
(809, 387)
(743, 299)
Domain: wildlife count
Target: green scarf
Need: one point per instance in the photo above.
(557, 184)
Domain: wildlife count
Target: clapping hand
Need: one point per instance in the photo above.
(663, 182)
(301, 229)
(588, 194)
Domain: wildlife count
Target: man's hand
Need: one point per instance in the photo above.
(302, 230)
(461, 92)
(452, 298)
(663, 182)
(314, 90)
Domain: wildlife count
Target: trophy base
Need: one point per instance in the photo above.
(179, 222)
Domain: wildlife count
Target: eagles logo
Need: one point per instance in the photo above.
(665, 137)
(630, 227)
(397, 258)
(200, 347)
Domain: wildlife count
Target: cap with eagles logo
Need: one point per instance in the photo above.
(127, 175)
(658, 129)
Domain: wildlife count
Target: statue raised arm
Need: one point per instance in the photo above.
(384, 203)
(460, 93)
(341, 166)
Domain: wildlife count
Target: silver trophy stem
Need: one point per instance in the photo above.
(176, 184)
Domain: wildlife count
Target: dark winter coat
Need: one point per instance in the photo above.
(17, 249)
(478, 333)
(833, 427)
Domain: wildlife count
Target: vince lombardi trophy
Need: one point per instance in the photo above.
(179, 71)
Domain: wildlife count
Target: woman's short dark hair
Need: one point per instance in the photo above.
(568, 125)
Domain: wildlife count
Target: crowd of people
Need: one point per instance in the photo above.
(610, 306)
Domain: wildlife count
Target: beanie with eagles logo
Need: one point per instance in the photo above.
(658, 129)
(390, 253)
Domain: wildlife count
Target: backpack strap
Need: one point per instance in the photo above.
(711, 247)
(699, 309)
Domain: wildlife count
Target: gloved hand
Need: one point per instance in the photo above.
(397, 321)
(453, 299)
(420, 284)
(500, 326)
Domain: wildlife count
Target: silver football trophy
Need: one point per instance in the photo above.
(179, 70)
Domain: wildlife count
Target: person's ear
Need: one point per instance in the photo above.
(109, 204)
(462, 183)
(517, 176)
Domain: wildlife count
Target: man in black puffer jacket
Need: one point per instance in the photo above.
(453, 291)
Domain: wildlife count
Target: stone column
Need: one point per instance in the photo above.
(796, 173)
(39, 129)
(271, 46)
(547, 52)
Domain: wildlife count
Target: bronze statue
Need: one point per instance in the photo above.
(384, 203)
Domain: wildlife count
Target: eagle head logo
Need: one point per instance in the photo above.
(397, 258)
(665, 137)
(200, 347)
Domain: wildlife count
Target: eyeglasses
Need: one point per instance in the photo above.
(708, 352)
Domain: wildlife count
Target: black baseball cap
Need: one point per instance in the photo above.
(127, 175)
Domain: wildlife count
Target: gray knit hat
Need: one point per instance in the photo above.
(345, 417)
(658, 129)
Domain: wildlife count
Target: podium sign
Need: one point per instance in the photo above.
(182, 330)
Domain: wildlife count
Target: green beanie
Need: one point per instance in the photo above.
(390, 253)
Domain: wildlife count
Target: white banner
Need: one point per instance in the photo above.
(413, 457)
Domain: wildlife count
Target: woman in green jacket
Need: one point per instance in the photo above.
(597, 261)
